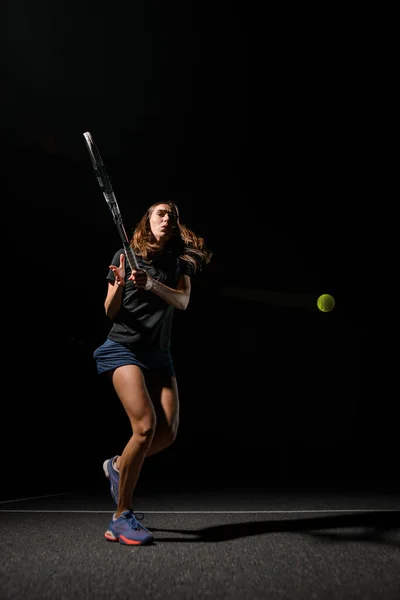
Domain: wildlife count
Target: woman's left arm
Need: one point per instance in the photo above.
(178, 298)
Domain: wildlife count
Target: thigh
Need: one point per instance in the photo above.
(163, 390)
(130, 386)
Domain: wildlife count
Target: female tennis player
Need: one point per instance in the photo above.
(136, 354)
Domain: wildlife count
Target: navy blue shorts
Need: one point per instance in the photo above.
(111, 355)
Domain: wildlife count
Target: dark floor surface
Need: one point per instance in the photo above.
(287, 542)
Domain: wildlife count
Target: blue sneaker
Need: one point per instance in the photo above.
(128, 531)
(113, 476)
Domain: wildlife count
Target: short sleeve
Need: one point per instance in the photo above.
(186, 268)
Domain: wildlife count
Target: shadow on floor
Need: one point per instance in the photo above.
(374, 525)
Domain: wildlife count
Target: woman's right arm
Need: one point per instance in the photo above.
(113, 301)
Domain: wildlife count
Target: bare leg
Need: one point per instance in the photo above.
(164, 394)
(165, 398)
(158, 444)
(130, 387)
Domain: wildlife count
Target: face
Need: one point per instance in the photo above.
(162, 222)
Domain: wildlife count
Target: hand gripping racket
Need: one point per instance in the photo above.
(106, 188)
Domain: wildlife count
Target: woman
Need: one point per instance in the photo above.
(136, 354)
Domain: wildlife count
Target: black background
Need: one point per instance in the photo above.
(254, 121)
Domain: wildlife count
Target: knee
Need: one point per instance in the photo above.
(145, 430)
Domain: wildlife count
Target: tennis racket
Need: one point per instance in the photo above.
(108, 192)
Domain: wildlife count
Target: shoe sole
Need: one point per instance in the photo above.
(105, 469)
(125, 541)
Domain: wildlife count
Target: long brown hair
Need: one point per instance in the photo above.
(184, 243)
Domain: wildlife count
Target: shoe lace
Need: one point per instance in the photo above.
(141, 518)
(134, 521)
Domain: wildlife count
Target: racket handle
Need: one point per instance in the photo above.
(131, 257)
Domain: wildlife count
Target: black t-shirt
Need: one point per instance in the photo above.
(144, 318)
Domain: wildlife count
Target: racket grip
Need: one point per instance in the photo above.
(130, 255)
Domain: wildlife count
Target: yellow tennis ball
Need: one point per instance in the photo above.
(326, 302)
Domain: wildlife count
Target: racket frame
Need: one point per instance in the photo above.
(109, 195)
